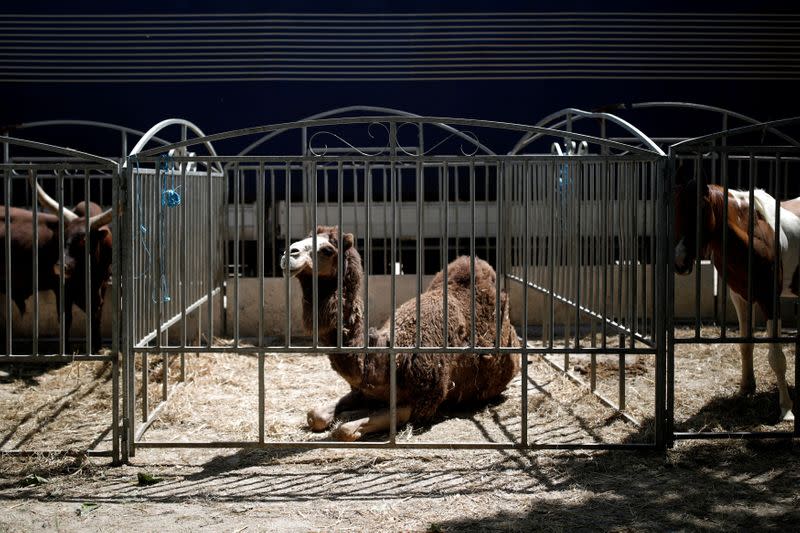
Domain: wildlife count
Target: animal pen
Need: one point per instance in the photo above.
(577, 226)
(575, 242)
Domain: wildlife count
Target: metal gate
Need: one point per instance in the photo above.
(416, 192)
(746, 168)
(63, 250)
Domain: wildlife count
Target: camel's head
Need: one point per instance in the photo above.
(302, 255)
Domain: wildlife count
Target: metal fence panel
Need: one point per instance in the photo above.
(733, 178)
(573, 229)
(57, 253)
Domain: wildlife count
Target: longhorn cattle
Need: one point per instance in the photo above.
(50, 265)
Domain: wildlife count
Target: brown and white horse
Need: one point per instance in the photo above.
(735, 263)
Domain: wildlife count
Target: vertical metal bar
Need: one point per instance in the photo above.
(724, 296)
(502, 219)
(210, 255)
(288, 243)
(724, 177)
(393, 296)
(340, 256)
(367, 247)
(662, 312)
(158, 275)
(125, 266)
(326, 197)
(668, 234)
(165, 254)
(553, 256)
(654, 210)
(698, 239)
(117, 316)
(260, 221)
(472, 253)
(594, 271)
(577, 185)
(591, 288)
(607, 206)
(542, 243)
(420, 247)
(633, 242)
(87, 273)
(384, 192)
(223, 249)
(62, 335)
(311, 185)
(356, 222)
(777, 288)
(623, 247)
(9, 299)
(274, 220)
(183, 250)
(526, 206)
(641, 208)
(457, 202)
(35, 272)
(236, 252)
(446, 249)
(750, 230)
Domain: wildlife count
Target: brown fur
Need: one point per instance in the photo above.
(764, 261)
(424, 381)
(759, 252)
(50, 266)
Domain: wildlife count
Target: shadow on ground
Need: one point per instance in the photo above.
(696, 486)
(738, 412)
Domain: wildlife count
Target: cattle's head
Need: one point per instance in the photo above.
(76, 239)
(301, 256)
(688, 194)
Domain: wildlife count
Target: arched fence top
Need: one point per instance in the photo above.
(704, 140)
(572, 114)
(725, 113)
(394, 123)
(151, 135)
(124, 130)
(368, 109)
(75, 154)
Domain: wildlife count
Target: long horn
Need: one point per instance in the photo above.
(98, 221)
(49, 203)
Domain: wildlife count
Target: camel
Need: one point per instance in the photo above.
(425, 381)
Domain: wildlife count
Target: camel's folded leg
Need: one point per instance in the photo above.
(378, 421)
(320, 418)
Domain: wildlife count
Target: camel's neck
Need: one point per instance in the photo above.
(328, 306)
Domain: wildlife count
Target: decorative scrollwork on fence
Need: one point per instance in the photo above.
(460, 134)
(320, 151)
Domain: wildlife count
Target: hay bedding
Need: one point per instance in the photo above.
(55, 407)
(69, 406)
(699, 485)
(220, 402)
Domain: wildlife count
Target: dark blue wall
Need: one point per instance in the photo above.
(218, 106)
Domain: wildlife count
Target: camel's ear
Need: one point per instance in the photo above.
(348, 241)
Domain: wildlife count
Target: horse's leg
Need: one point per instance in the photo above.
(777, 362)
(320, 418)
(747, 385)
(378, 421)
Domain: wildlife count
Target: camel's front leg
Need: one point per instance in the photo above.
(321, 418)
(777, 362)
(378, 421)
(747, 385)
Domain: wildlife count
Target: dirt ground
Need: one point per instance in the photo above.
(695, 486)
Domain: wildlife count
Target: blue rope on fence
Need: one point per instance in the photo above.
(170, 197)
